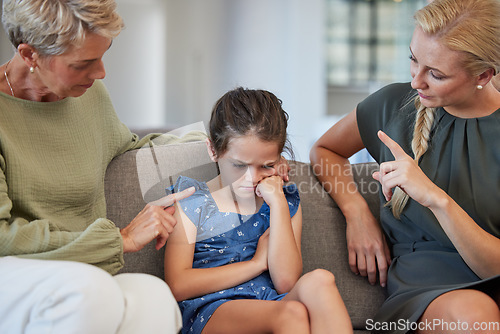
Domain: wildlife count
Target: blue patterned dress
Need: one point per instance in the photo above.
(224, 238)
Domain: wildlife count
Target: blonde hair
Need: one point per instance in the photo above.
(52, 26)
(468, 26)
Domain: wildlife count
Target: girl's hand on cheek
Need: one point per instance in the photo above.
(271, 189)
(282, 169)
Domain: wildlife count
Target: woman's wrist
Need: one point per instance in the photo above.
(439, 200)
(127, 242)
(353, 208)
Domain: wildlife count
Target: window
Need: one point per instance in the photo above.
(368, 40)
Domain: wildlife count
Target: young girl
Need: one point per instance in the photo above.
(234, 259)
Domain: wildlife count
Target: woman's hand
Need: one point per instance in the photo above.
(271, 189)
(367, 247)
(404, 173)
(471, 241)
(155, 221)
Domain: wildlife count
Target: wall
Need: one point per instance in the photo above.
(217, 45)
(177, 57)
(135, 64)
(6, 50)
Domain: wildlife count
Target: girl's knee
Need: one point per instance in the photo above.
(323, 277)
(318, 279)
(293, 311)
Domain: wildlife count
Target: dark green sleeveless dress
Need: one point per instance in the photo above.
(464, 160)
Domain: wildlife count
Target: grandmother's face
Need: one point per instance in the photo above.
(73, 72)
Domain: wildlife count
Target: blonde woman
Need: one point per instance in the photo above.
(437, 141)
(58, 132)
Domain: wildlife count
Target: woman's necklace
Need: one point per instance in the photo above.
(7, 78)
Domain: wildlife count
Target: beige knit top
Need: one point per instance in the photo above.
(53, 158)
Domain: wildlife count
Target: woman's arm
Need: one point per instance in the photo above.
(100, 244)
(366, 244)
(479, 249)
(186, 282)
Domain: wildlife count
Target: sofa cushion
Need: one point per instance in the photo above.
(136, 177)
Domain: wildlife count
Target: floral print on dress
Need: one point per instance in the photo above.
(224, 238)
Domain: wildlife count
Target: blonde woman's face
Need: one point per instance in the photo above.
(73, 72)
(439, 77)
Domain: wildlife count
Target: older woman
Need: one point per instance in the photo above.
(439, 156)
(58, 132)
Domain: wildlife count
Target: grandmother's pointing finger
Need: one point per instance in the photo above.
(172, 198)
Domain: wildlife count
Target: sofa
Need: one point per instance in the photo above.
(142, 175)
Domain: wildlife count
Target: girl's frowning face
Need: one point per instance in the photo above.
(247, 161)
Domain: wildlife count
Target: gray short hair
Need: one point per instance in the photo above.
(52, 26)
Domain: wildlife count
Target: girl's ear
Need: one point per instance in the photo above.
(211, 151)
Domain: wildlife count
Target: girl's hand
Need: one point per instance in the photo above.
(404, 173)
(262, 251)
(282, 169)
(271, 189)
(155, 221)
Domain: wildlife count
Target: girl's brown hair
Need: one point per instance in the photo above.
(242, 112)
